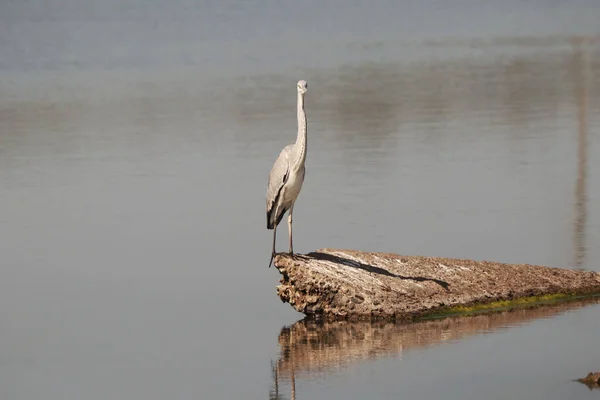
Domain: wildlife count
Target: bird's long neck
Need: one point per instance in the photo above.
(301, 139)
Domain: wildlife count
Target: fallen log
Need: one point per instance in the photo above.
(335, 284)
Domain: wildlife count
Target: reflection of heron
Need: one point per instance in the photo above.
(309, 349)
(287, 176)
(583, 64)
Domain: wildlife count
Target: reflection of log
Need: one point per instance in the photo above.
(592, 380)
(345, 284)
(313, 347)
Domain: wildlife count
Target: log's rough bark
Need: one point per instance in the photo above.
(347, 284)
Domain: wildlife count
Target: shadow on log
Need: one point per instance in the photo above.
(346, 284)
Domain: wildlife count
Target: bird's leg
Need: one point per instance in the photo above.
(273, 251)
(290, 230)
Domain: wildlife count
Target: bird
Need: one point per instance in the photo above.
(287, 176)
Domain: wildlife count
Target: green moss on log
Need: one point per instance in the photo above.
(504, 305)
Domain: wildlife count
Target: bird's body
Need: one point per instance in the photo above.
(285, 183)
(287, 176)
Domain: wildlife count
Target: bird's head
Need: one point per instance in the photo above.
(302, 87)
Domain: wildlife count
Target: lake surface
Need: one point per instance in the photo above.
(136, 138)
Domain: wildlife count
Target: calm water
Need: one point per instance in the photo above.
(136, 138)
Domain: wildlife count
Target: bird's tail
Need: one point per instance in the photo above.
(270, 224)
(273, 222)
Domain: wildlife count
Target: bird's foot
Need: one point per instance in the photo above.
(273, 254)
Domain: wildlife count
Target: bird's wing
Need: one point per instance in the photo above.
(278, 176)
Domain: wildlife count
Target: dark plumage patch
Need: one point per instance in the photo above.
(270, 224)
(280, 216)
(273, 222)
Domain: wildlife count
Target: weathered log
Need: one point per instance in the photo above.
(346, 284)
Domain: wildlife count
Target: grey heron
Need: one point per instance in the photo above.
(287, 176)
